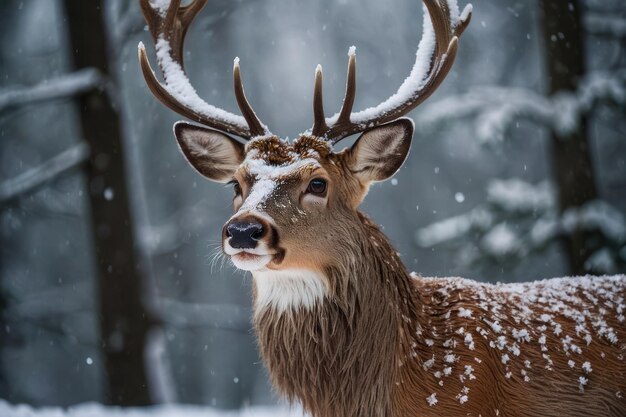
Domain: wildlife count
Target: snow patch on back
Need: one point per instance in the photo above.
(562, 325)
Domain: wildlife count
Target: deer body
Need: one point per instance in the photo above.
(343, 328)
(375, 340)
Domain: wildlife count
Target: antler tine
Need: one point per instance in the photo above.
(255, 125)
(319, 123)
(440, 18)
(168, 27)
(466, 18)
(418, 86)
(348, 100)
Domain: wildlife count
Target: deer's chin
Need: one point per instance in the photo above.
(250, 262)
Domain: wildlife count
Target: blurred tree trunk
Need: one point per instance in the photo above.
(4, 337)
(570, 154)
(124, 321)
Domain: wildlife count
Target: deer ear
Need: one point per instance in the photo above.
(379, 152)
(212, 153)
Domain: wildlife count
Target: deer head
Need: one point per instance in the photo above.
(296, 201)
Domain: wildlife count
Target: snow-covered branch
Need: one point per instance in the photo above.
(605, 25)
(495, 109)
(521, 218)
(42, 174)
(218, 316)
(46, 303)
(63, 86)
(179, 314)
(174, 231)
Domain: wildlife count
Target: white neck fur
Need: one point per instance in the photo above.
(290, 289)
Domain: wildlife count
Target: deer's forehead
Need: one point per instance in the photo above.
(259, 169)
(266, 178)
(277, 152)
(279, 161)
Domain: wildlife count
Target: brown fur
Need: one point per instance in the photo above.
(364, 350)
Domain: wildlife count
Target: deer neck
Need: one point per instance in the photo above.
(333, 339)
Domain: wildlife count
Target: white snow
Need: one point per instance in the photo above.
(514, 195)
(495, 109)
(169, 410)
(495, 326)
(432, 399)
(46, 171)
(62, 86)
(605, 24)
(429, 363)
(601, 260)
(161, 6)
(596, 214)
(453, 227)
(500, 240)
(259, 193)
(469, 341)
(260, 168)
(520, 218)
(450, 358)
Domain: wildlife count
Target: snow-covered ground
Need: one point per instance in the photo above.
(171, 410)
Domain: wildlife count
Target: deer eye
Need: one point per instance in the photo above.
(236, 188)
(317, 186)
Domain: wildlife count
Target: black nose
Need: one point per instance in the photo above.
(244, 234)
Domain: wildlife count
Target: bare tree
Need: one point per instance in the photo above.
(124, 320)
(570, 155)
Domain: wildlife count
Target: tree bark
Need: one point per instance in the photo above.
(570, 154)
(124, 321)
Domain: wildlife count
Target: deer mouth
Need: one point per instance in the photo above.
(250, 262)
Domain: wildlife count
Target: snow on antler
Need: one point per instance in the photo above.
(419, 72)
(168, 23)
(178, 85)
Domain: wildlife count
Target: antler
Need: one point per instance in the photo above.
(434, 58)
(168, 24)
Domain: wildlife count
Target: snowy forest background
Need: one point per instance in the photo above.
(107, 289)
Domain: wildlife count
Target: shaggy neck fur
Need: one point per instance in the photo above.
(338, 353)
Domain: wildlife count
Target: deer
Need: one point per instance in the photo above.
(343, 327)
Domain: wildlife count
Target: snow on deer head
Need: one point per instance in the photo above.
(296, 203)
